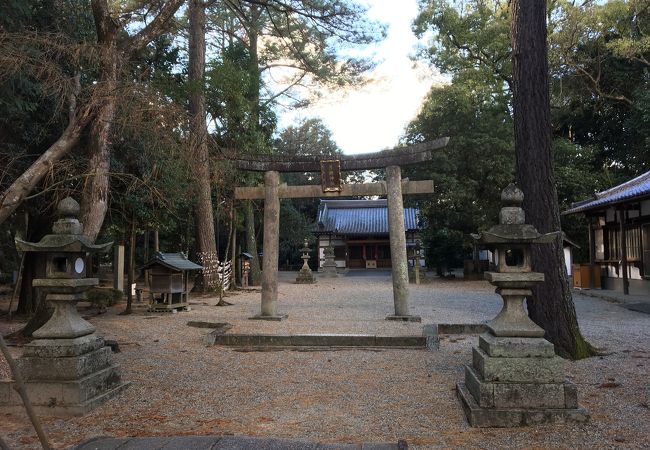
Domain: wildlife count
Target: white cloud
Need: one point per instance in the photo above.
(373, 117)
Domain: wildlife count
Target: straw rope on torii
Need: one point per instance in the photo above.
(394, 187)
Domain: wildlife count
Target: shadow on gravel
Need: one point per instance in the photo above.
(369, 273)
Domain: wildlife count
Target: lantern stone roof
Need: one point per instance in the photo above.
(175, 261)
(635, 189)
(62, 243)
(360, 217)
(67, 234)
(512, 227)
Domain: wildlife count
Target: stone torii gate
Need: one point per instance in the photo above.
(394, 187)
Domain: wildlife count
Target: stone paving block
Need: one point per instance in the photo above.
(401, 341)
(518, 370)
(408, 318)
(380, 446)
(462, 328)
(316, 340)
(515, 347)
(191, 442)
(147, 443)
(254, 443)
(432, 339)
(102, 443)
(275, 340)
(337, 446)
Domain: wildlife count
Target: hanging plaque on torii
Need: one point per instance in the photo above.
(330, 175)
(393, 188)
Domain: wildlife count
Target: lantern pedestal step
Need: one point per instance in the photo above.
(517, 381)
(67, 378)
(478, 416)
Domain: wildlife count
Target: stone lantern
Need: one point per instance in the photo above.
(516, 378)
(67, 367)
(305, 276)
(329, 266)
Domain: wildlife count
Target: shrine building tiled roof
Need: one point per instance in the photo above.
(359, 217)
(635, 189)
(176, 261)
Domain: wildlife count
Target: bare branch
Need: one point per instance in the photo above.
(157, 26)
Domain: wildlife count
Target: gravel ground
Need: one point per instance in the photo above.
(181, 387)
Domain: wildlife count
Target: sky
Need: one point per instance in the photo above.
(373, 117)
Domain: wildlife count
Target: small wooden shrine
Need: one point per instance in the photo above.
(169, 276)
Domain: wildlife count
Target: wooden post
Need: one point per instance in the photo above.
(270, 248)
(592, 241)
(118, 268)
(592, 254)
(233, 253)
(156, 241)
(146, 246)
(626, 283)
(397, 234)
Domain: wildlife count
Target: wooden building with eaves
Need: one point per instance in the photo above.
(619, 235)
(358, 232)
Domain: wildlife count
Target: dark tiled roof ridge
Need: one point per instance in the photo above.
(623, 186)
(637, 187)
(378, 203)
(359, 217)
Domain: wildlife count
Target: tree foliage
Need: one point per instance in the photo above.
(598, 56)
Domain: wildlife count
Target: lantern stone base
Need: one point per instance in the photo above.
(480, 417)
(517, 381)
(407, 318)
(276, 317)
(67, 378)
(329, 272)
(305, 277)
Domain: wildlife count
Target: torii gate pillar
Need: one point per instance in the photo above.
(270, 248)
(397, 235)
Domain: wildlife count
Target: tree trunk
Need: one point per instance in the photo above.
(203, 216)
(19, 189)
(94, 200)
(551, 305)
(32, 301)
(253, 68)
(251, 246)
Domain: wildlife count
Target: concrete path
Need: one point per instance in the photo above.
(224, 443)
(637, 303)
(613, 296)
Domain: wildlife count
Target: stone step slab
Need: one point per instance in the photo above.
(64, 392)
(66, 368)
(62, 348)
(515, 417)
(515, 347)
(520, 395)
(316, 340)
(227, 443)
(518, 370)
